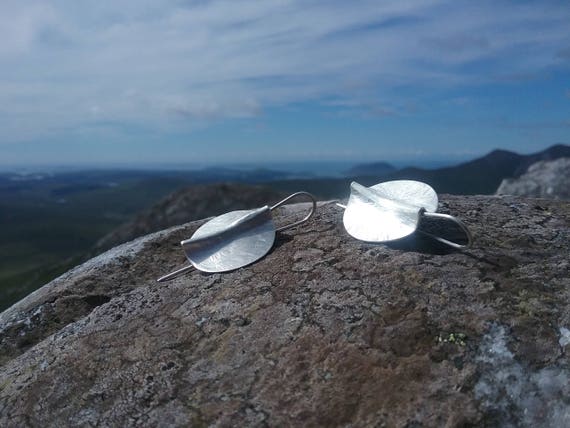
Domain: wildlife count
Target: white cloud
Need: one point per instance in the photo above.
(65, 64)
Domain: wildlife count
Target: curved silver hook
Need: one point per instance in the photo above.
(455, 220)
(304, 219)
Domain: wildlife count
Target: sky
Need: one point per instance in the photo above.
(140, 82)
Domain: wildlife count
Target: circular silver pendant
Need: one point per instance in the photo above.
(387, 211)
(231, 240)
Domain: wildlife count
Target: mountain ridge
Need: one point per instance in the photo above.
(482, 175)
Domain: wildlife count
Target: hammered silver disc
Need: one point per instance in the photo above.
(231, 240)
(387, 211)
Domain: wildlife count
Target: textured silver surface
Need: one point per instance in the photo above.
(231, 240)
(235, 239)
(387, 211)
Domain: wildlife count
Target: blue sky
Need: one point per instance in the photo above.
(157, 82)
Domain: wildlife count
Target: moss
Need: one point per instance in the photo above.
(455, 338)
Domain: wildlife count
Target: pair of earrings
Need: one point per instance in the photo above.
(381, 213)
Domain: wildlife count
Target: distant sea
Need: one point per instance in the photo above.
(340, 168)
(300, 169)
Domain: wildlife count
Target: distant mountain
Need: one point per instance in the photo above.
(543, 179)
(375, 168)
(479, 176)
(482, 175)
(191, 203)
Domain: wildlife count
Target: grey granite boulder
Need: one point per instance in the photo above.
(323, 331)
(544, 179)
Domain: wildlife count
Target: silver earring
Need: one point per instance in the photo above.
(392, 210)
(235, 239)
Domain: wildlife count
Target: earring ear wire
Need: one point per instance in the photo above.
(455, 220)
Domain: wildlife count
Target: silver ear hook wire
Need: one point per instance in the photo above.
(304, 219)
(455, 220)
(189, 267)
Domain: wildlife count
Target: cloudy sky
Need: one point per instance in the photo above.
(140, 81)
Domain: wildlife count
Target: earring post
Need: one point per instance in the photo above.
(175, 274)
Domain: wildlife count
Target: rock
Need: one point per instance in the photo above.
(545, 179)
(324, 330)
(190, 203)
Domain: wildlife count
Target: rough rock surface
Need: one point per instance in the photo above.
(323, 331)
(545, 179)
(191, 203)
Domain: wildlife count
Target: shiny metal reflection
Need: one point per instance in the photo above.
(235, 239)
(392, 210)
